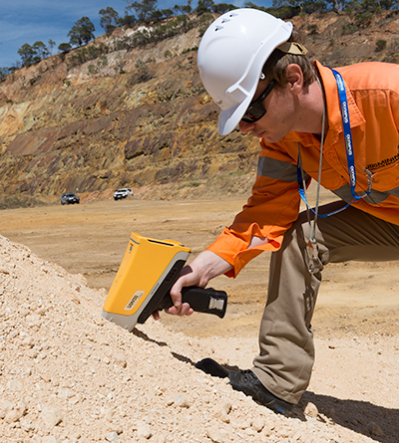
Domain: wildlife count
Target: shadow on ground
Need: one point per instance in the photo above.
(376, 422)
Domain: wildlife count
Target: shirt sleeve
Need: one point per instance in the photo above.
(269, 212)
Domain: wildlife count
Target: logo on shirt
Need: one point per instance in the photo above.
(383, 163)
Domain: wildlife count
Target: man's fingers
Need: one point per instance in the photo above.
(175, 294)
(183, 309)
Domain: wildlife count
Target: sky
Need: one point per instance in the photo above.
(29, 21)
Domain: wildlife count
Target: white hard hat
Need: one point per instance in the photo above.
(231, 56)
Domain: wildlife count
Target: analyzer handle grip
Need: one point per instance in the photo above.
(208, 301)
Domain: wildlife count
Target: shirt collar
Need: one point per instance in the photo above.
(333, 104)
(334, 117)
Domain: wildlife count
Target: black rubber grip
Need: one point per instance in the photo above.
(208, 301)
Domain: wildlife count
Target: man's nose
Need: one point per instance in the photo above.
(245, 127)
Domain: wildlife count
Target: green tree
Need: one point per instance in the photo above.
(127, 20)
(27, 54)
(204, 6)
(142, 68)
(167, 13)
(64, 47)
(41, 50)
(286, 8)
(144, 9)
(253, 6)
(82, 32)
(184, 9)
(51, 45)
(339, 6)
(380, 45)
(221, 8)
(4, 72)
(109, 19)
(388, 4)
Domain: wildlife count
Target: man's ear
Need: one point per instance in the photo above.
(294, 77)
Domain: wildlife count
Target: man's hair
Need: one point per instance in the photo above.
(276, 64)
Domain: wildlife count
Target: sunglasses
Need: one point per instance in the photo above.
(255, 110)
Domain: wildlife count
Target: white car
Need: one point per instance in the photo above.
(122, 193)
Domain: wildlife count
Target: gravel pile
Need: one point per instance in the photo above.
(69, 376)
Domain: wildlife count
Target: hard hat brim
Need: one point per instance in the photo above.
(230, 118)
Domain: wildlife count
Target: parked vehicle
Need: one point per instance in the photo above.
(69, 199)
(122, 193)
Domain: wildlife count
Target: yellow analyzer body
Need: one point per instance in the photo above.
(147, 272)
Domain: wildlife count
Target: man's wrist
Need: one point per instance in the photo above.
(213, 265)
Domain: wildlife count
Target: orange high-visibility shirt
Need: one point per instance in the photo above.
(372, 91)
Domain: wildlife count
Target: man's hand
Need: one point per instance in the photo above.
(206, 266)
(198, 273)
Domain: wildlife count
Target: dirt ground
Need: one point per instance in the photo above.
(66, 375)
(91, 239)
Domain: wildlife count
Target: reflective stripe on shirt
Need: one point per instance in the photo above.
(277, 169)
(374, 198)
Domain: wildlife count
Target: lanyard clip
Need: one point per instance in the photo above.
(314, 263)
(370, 179)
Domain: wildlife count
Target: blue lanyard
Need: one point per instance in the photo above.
(349, 152)
(348, 135)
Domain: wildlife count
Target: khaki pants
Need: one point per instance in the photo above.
(286, 341)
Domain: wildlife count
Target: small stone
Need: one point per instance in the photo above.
(221, 415)
(27, 426)
(14, 386)
(117, 429)
(28, 341)
(214, 434)
(120, 360)
(5, 406)
(46, 377)
(311, 410)
(227, 406)
(374, 429)
(144, 431)
(52, 416)
(112, 436)
(41, 311)
(65, 394)
(32, 353)
(15, 414)
(181, 401)
(258, 424)
(50, 439)
(24, 312)
(244, 424)
(158, 438)
(250, 432)
(170, 400)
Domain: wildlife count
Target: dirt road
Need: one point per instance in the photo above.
(91, 238)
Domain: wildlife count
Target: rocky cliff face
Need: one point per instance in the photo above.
(141, 117)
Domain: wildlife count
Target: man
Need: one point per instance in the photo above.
(337, 127)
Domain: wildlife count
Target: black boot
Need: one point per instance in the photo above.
(246, 381)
